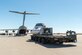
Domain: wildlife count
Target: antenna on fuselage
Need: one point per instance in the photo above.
(24, 14)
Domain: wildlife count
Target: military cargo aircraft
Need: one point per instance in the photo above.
(22, 30)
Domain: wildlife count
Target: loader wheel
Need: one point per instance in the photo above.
(36, 39)
(43, 41)
(39, 40)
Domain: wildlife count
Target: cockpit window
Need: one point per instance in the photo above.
(40, 24)
(36, 27)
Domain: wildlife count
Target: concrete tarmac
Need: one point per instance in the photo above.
(10, 45)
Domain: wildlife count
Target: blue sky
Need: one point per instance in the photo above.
(62, 15)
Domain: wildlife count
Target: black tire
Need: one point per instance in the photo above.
(43, 41)
(36, 39)
(39, 40)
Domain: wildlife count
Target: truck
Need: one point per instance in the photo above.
(46, 36)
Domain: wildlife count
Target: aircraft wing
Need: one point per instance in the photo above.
(29, 13)
(7, 29)
(12, 29)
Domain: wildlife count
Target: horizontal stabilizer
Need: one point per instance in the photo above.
(25, 13)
